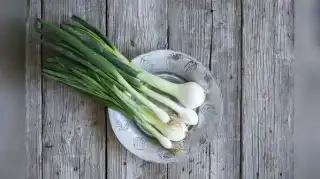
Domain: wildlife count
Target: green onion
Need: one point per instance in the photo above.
(101, 62)
(89, 62)
(190, 94)
(185, 92)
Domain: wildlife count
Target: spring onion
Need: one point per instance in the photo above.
(187, 115)
(90, 63)
(189, 94)
(98, 60)
(72, 74)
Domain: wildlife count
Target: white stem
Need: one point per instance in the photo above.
(157, 82)
(187, 115)
(162, 99)
(174, 134)
(190, 94)
(178, 123)
(163, 116)
(164, 141)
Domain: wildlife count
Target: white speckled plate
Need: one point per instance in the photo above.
(177, 67)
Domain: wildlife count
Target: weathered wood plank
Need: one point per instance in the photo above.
(73, 126)
(33, 95)
(135, 27)
(267, 89)
(190, 28)
(226, 67)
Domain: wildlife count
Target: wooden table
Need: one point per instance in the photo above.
(248, 46)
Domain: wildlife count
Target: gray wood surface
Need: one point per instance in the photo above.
(226, 67)
(267, 89)
(33, 95)
(73, 127)
(248, 46)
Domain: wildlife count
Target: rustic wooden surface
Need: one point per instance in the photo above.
(248, 46)
(34, 117)
(267, 89)
(226, 66)
(73, 128)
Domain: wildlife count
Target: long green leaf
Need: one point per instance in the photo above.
(98, 47)
(92, 56)
(94, 30)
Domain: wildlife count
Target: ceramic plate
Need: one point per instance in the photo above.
(179, 68)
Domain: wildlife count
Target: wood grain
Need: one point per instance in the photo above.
(267, 89)
(33, 95)
(226, 67)
(190, 29)
(136, 27)
(73, 126)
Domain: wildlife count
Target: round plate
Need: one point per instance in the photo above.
(177, 67)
